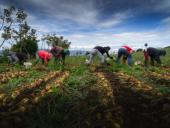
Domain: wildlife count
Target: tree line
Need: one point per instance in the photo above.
(16, 31)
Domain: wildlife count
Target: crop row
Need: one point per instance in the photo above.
(28, 102)
(108, 101)
(4, 77)
(135, 84)
(159, 78)
(24, 90)
(24, 102)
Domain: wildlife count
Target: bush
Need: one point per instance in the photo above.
(28, 46)
(3, 56)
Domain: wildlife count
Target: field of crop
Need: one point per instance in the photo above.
(81, 96)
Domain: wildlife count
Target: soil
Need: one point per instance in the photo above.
(140, 109)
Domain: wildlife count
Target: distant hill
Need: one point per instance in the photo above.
(167, 47)
(77, 52)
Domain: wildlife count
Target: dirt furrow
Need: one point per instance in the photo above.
(141, 107)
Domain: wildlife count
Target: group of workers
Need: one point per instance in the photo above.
(58, 52)
(124, 53)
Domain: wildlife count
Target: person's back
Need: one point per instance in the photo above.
(152, 51)
(125, 52)
(21, 56)
(44, 55)
(129, 49)
(56, 50)
(100, 49)
(155, 54)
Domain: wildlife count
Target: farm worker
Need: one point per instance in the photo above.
(59, 53)
(146, 57)
(155, 54)
(100, 51)
(18, 57)
(126, 52)
(44, 56)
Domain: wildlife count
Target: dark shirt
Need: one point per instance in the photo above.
(153, 52)
(22, 56)
(102, 50)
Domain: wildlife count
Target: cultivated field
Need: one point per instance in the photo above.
(81, 96)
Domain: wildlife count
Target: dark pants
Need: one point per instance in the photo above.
(125, 53)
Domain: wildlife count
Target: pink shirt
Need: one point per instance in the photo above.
(44, 55)
(128, 48)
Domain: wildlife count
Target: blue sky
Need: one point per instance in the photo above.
(87, 23)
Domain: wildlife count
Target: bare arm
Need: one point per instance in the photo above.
(109, 55)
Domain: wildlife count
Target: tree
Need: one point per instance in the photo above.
(53, 39)
(26, 40)
(21, 33)
(7, 18)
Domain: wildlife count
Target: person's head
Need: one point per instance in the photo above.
(107, 48)
(145, 44)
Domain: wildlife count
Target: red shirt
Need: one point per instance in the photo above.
(146, 56)
(128, 48)
(44, 55)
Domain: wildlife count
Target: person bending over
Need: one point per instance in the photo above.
(126, 53)
(155, 54)
(44, 56)
(17, 57)
(59, 53)
(100, 51)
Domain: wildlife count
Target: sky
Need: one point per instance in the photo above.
(87, 23)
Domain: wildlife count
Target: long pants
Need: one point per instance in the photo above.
(13, 58)
(124, 52)
(93, 53)
(146, 56)
(156, 58)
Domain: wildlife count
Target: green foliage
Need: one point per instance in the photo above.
(59, 41)
(3, 58)
(166, 58)
(27, 45)
(8, 17)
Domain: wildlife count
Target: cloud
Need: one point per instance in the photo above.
(100, 22)
(166, 21)
(133, 39)
(116, 19)
(164, 5)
